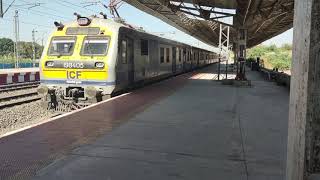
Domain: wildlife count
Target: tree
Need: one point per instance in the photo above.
(257, 51)
(26, 50)
(6, 47)
(286, 47)
(272, 56)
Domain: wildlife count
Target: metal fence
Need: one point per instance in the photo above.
(21, 65)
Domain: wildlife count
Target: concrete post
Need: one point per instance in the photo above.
(235, 58)
(304, 113)
(241, 53)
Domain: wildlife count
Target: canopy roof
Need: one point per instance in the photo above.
(264, 19)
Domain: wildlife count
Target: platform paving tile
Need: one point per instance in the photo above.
(202, 131)
(314, 177)
(264, 125)
(86, 167)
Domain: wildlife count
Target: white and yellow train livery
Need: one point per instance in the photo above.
(91, 58)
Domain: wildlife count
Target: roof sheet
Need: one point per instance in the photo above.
(264, 19)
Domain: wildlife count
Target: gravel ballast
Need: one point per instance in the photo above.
(20, 116)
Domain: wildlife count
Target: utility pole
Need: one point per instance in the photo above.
(1, 9)
(16, 32)
(33, 47)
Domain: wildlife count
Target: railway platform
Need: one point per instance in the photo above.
(186, 127)
(19, 75)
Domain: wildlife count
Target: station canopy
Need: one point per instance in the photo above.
(201, 19)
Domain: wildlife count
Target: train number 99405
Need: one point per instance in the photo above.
(73, 65)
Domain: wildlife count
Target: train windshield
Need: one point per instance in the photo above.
(62, 46)
(95, 45)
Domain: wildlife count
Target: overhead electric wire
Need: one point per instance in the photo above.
(53, 9)
(29, 23)
(36, 12)
(63, 3)
(8, 7)
(77, 5)
(52, 17)
(42, 6)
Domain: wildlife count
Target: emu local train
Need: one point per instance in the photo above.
(91, 58)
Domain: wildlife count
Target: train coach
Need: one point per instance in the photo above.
(91, 58)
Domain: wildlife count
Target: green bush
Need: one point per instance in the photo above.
(251, 59)
(272, 56)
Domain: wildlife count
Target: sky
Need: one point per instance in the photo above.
(42, 16)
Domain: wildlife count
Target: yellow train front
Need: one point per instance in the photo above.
(90, 58)
(76, 61)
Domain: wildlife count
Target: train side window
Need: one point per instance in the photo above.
(177, 54)
(167, 55)
(161, 55)
(187, 56)
(180, 55)
(144, 47)
(124, 52)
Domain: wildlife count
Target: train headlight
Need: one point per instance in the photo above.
(49, 64)
(83, 21)
(42, 90)
(99, 65)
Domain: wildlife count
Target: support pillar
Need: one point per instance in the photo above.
(241, 54)
(304, 113)
(235, 58)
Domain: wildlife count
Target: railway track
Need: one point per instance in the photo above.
(19, 86)
(16, 94)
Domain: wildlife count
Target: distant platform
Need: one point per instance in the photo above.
(19, 75)
(187, 127)
(18, 70)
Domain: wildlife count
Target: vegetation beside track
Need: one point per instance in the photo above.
(272, 56)
(25, 51)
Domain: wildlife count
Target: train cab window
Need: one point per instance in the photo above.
(124, 52)
(62, 45)
(161, 55)
(95, 45)
(144, 47)
(167, 55)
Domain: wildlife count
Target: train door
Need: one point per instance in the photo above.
(174, 59)
(130, 54)
(184, 52)
(198, 59)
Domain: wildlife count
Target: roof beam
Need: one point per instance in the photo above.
(245, 15)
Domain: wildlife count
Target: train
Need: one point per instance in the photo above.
(91, 58)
